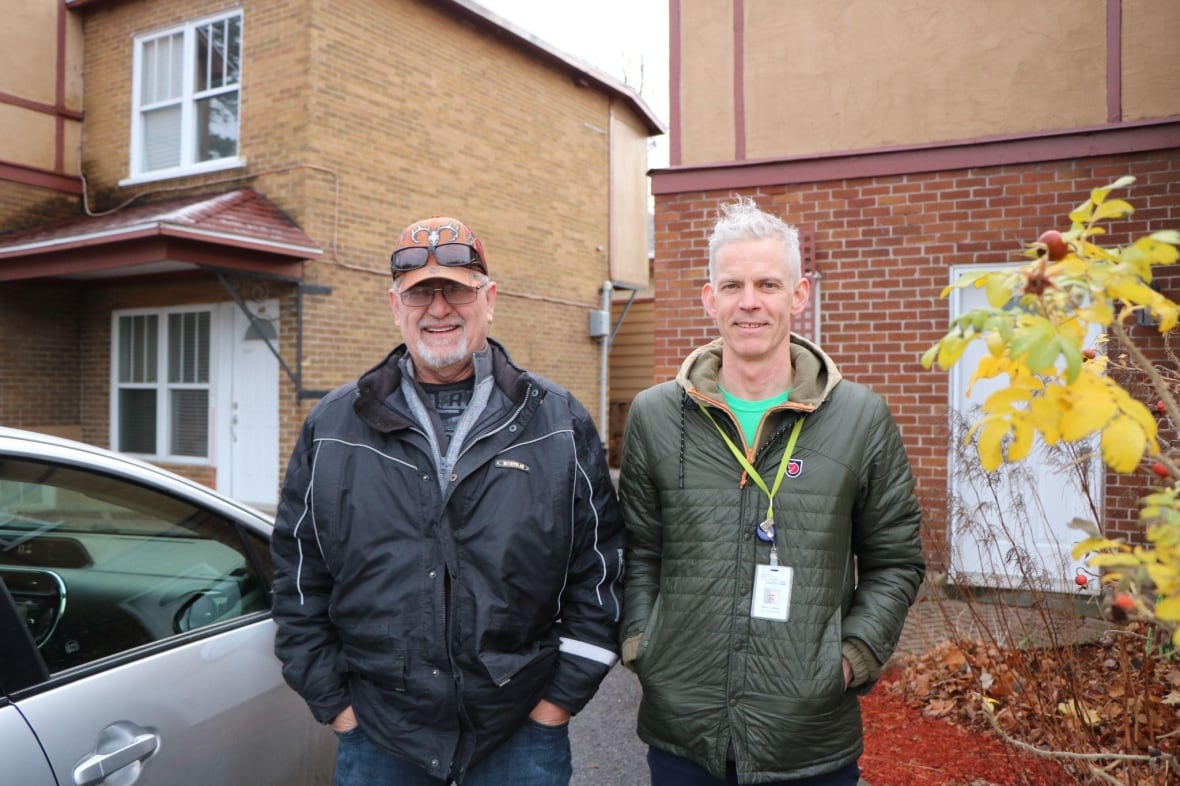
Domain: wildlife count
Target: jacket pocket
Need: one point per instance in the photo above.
(649, 634)
(507, 648)
(371, 652)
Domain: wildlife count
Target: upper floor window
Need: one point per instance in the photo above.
(187, 95)
(160, 404)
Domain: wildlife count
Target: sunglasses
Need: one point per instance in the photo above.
(453, 292)
(446, 254)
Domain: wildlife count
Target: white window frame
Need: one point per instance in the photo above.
(187, 102)
(162, 386)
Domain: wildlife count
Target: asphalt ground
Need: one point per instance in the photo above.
(605, 749)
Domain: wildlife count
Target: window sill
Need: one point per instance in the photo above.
(179, 172)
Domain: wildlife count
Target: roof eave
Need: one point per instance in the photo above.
(137, 248)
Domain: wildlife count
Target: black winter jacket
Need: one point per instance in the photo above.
(443, 604)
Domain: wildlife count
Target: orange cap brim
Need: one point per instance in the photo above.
(469, 275)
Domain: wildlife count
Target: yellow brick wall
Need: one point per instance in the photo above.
(24, 205)
(361, 116)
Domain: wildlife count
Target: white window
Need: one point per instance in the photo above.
(161, 387)
(187, 95)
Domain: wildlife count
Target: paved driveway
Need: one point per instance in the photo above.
(605, 748)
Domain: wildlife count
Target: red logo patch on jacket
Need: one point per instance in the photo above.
(794, 468)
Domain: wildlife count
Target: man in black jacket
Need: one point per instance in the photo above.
(448, 547)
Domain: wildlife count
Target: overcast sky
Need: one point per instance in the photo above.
(627, 39)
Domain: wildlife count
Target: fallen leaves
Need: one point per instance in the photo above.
(1111, 707)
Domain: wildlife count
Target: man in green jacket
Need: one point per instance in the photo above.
(774, 543)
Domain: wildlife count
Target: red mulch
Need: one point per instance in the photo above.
(905, 748)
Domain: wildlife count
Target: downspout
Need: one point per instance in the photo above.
(604, 362)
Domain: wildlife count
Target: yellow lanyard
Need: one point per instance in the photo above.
(767, 526)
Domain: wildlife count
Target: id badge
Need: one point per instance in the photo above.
(772, 593)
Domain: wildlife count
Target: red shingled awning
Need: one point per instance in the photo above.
(237, 230)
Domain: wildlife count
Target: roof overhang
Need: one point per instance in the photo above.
(238, 231)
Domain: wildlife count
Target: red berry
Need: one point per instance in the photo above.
(1159, 469)
(1055, 245)
(1080, 580)
(1089, 354)
(1124, 601)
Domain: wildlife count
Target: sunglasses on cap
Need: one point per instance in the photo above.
(446, 254)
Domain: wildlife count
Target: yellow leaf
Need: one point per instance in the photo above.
(1115, 208)
(1083, 713)
(1134, 409)
(1132, 291)
(1114, 561)
(1164, 577)
(1098, 311)
(1004, 398)
(1164, 536)
(1093, 544)
(1169, 609)
(1123, 443)
(1022, 439)
(950, 349)
(999, 290)
(1168, 314)
(1167, 236)
(991, 438)
(1084, 419)
(1046, 415)
(990, 365)
(928, 356)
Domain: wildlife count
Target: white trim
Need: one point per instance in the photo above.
(186, 101)
(161, 386)
(216, 165)
(589, 651)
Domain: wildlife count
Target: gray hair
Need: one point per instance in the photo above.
(742, 220)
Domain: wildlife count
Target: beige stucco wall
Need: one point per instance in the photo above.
(628, 199)
(29, 73)
(1151, 66)
(30, 58)
(861, 74)
(706, 110)
(26, 137)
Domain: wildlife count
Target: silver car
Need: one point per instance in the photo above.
(136, 644)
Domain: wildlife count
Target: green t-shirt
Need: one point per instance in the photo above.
(749, 413)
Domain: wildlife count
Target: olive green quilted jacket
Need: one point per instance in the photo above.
(847, 523)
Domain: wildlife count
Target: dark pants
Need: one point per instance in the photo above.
(669, 770)
(535, 756)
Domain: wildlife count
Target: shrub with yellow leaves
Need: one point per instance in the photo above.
(1035, 328)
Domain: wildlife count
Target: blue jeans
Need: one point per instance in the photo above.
(669, 770)
(535, 755)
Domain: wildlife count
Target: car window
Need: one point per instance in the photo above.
(98, 565)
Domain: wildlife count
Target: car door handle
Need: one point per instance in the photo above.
(120, 745)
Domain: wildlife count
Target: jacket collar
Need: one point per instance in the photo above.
(815, 374)
(377, 385)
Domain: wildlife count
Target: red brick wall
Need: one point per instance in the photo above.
(883, 249)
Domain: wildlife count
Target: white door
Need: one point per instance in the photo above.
(248, 466)
(1010, 528)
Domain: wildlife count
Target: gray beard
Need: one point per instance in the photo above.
(439, 360)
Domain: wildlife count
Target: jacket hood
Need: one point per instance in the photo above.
(815, 376)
